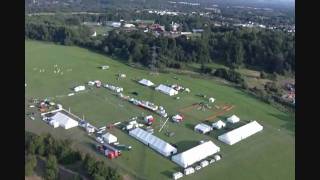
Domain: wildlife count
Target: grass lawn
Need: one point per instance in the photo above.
(266, 155)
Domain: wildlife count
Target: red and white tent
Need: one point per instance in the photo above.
(177, 118)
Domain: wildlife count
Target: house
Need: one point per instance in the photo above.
(233, 119)
(146, 82)
(219, 124)
(197, 30)
(177, 118)
(79, 88)
(186, 33)
(116, 24)
(157, 28)
(153, 142)
(63, 120)
(202, 128)
(166, 90)
(129, 25)
(240, 133)
(109, 138)
(195, 154)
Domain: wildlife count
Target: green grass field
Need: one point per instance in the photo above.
(266, 155)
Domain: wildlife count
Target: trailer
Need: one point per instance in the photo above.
(109, 151)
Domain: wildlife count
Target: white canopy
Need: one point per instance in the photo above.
(195, 154)
(219, 124)
(146, 82)
(109, 138)
(79, 88)
(203, 128)
(64, 121)
(166, 90)
(233, 119)
(211, 99)
(240, 133)
(152, 141)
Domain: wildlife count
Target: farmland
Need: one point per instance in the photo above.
(266, 155)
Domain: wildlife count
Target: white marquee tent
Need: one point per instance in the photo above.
(64, 121)
(202, 128)
(233, 119)
(153, 142)
(166, 90)
(195, 154)
(109, 138)
(219, 124)
(146, 82)
(240, 133)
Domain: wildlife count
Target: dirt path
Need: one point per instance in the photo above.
(223, 111)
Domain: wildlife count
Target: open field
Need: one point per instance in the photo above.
(266, 155)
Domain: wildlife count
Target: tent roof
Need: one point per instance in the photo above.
(196, 154)
(203, 127)
(146, 82)
(154, 142)
(233, 118)
(109, 136)
(64, 120)
(177, 117)
(240, 133)
(219, 123)
(166, 89)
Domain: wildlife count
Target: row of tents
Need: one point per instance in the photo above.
(162, 88)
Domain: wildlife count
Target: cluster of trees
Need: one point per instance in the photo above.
(227, 74)
(66, 31)
(61, 152)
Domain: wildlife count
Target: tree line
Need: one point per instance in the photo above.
(55, 152)
(269, 51)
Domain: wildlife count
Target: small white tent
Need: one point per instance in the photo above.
(195, 154)
(233, 119)
(109, 138)
(219, 124)
(79, 88)
(202, 128)
(240, 133)
(146, 82)
(64, 121)
(211, 99)
(166, 90)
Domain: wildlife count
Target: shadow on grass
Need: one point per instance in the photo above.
(289, 122)
(167, 173)
(189, 126)
(185, 145)
(287, 117)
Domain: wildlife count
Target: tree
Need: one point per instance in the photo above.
(51, 172)
(88, 164)
(30, 164)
